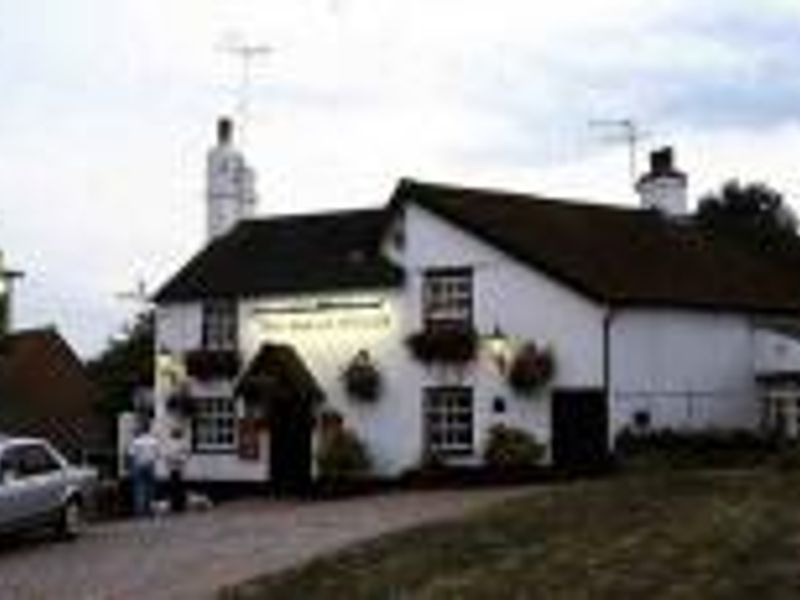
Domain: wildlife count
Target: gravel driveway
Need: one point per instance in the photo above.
(190, 556)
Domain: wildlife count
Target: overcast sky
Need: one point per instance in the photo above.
(108, 107)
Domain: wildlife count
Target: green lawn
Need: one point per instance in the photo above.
(671, 535)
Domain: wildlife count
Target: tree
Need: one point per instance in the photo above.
(125, 366)
(753, 215)
(747, 209)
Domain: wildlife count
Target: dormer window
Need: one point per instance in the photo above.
(220, 325)
(447, 298)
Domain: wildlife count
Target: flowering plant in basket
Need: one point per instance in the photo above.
(447, 345)
(212, 364)
(362, 379)
(531, 368)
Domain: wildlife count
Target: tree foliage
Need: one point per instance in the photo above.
(125, 365)
(753, 212)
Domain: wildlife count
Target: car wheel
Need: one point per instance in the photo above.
(70, 523)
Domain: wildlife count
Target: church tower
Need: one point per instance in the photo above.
(230, 184)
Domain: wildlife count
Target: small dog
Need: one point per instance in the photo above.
(198, 502)
(161, 508)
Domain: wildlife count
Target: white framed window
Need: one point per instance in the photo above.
(447, 297)
(220, 325)
(214, 425)
(449, 421)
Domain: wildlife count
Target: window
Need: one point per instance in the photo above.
(448, 421)
(29, 460)
(38, 460)
(447, 297)
(215, 425)
(220, 325)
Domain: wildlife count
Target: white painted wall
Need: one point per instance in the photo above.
(178, 330)
(527, 306)
(687, 369)
(524, 304)
(327, 340)
(179, 327)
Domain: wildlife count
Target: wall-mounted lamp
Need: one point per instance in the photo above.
(498, 345)
(170, 369)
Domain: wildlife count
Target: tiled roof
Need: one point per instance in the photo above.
(615, 255)
(620, 256)
(288, 255)
(45, 391)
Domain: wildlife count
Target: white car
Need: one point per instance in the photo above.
(38, 487)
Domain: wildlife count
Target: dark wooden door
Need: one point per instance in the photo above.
(290, 445)
(580, 430)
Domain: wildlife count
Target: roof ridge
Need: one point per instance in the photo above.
(311, 216)
(523, 195)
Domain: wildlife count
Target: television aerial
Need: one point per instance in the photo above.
(247, 52)
(627, 131)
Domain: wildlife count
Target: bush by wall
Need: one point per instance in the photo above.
(341, 456)
(511, 448)
(699, 448)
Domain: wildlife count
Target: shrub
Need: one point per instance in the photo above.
(788, 457)
(341, 455)
(446, 345)
(329, 419)
(699, 448)
(512, 448)
(531, 369)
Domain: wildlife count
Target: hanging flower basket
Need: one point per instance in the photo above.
(182, 405)
(212, 364)
(531, 369)
(445, 345)
(362, 379)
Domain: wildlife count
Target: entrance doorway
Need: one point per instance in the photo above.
(278, 382)
(580, 430)
(291, 424)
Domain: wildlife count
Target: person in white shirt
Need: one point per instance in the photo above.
(143, 453)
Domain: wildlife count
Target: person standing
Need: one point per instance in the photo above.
(143, 453)
(176, 456)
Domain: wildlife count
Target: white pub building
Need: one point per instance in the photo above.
(473, 308)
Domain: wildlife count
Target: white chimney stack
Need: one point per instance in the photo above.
(664, 187)
(230, 184)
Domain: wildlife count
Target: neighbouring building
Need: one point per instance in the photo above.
(477, 307)
(44, 388)
(46, 392)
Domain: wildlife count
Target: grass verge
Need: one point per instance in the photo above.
(733, 534)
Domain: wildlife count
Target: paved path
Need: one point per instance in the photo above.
(191, 556)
